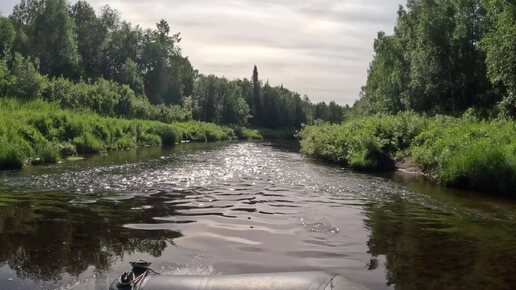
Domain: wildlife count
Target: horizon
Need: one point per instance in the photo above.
(321, 48)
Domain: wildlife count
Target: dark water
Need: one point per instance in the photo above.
(244, 208)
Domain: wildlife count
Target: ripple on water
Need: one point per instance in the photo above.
(247, 206)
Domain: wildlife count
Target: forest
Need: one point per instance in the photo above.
(445, 57)
(104, 84)
(440, 95)
(81, 59)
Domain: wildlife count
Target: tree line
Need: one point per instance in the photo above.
(56, 44)
(444, 57)
(225, 101)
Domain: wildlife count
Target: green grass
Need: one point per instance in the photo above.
(461, 152)
(367, 143)
(204, 132)
(468, 153)
(38, 132)
(280, 133)
(247, 134)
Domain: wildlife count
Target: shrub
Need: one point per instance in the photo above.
(203, 132)
(41, 132)
(10, 156)
(67, 149)
(48, 153)
(149, 139)
(125, 143)
(246, 134)
(88, 144)
(169, 135)
(462, 152)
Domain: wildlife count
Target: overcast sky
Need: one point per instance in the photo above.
(321, 48)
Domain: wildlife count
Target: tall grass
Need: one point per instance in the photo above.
(462, 152)
(203, 132)
(366, 143)
(469, 153)
(38, 132)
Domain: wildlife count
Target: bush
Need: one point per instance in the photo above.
(40, 132)
(463, 152)
(88, 144)
(477, 155)
(46, 153)
(10, 156)
(203, 132)
(366, 143)
(149, 140)
(20, 78)
(124, 143)
(67, 149)
(368, 157)
(169, 135)
(243, 133)
(279, 133)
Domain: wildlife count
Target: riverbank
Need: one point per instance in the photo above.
(460, 152)
(38, 132)
(277, 134)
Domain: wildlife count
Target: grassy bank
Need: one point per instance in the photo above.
(197, 131)
(280, 133)
(38, 132)
(462, 152)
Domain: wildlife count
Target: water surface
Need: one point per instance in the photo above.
(246, 208)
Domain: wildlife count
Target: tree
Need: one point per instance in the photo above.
(130, 75)
(432, 62)
(162, 80)
(256, 106)
(53, 39)
(27, 83)
(7, 36)
(334, 113)
(499, 44)
(91, 38)
(235, 111)
(321, 111)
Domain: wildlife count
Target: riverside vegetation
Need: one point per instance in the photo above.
(440, 93)
(465, 152)
(39, 132)
(73, 81)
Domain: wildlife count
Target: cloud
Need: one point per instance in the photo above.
(321, 48)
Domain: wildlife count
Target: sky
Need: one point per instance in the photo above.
(321, 48)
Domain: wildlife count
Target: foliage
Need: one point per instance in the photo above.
(463, 152)
(231, 102)
(7, 36)
(278, 133)
(21, 79)
(366, 143)
(244, 133)
(500, 47)
(471, 154)
(204, 132)
(40, 132)
(73, 42)
(220, 101)
(443, 58)
(69, 54)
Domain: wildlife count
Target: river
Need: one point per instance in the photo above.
(246, 207)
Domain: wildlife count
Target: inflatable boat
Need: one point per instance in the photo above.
(146, 279)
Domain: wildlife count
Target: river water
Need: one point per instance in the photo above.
(249, 207)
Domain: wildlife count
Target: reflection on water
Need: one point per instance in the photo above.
(240, 208)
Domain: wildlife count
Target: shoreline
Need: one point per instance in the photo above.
(460, 152)
(37, 132)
